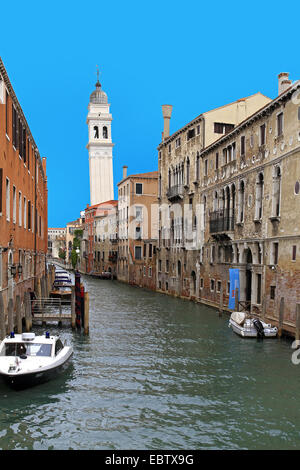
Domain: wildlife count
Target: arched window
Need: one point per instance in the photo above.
(241, 202)
(259, 196)
(187, 171)
(198, 167)
(104, 132)
(276, 192)
(96, 132)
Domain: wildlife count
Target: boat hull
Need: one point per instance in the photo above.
(251, 332)
(31, 379)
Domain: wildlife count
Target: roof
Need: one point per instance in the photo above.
(150, 174)
(202, 115)
(276, 101)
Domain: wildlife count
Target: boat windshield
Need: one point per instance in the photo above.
(29, 349)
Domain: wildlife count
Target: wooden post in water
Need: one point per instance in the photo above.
(77, 300)
(297, 335)
(281, 315)
(236, 299)
(221, 301)
(18, 315)
(10, 315)
(73, 314)
(2, 318)
(28, 313)
(86, 313)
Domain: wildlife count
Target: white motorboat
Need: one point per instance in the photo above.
(62, 279)
(27, 359)
(251, 327)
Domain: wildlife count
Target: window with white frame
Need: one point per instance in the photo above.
(20, 209)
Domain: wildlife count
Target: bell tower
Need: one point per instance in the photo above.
(100, 147)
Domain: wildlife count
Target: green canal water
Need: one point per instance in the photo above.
(158, 373)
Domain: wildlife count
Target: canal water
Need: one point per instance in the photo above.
(158, 373)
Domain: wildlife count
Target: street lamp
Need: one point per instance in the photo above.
(77, 253)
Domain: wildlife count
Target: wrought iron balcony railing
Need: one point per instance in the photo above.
(176, 191)
(221, 221)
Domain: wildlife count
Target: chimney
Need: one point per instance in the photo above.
(125, 171)
(283, 82)
(167, 111)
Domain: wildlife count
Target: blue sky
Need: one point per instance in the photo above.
(194, 55)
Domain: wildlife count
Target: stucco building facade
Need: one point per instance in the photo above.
(241, 207)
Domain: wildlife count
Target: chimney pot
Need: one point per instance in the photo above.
(125, 171)
(283, 82)
(167, 112)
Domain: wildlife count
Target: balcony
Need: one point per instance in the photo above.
(221, 221)
(175, 192)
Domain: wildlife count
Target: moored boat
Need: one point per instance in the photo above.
(27, 360)
(248, 327)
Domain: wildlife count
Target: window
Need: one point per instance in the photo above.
(177, 142)
(139, 214)
(190, 134)
(212, 285)
(150, 272)
(219, 285)
(29, 216)
(169, 148)
(187, 171)
(96, 132)
(14, 204)
(25, 212)
(263, 134)
(138, 252)
(279, 124)
(259, 196)
(167, 266)
(205, 167)
(201, 283)
(138, 188)
(272, 292)
(243, 147)
(294, 252)
(217, 160)
(104, 132)
(198, 167)
(241, 202)
(222, 128)
(274, 253)
(150, 250)
(58, 346)
(276, 192)
(7, 199)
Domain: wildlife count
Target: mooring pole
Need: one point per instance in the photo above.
(77, 300)
(86, 313)
(82, 304)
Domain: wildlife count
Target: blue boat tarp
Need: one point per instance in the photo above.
(234, 279)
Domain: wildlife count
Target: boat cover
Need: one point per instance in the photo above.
(238, 317)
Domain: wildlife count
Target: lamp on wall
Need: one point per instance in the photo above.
(20, 269)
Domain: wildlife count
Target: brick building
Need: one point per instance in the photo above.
(23, 199)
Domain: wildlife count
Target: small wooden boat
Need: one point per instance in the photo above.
(27, 360)
(251, 327)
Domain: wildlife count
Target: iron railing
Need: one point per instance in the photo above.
(221, 221)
